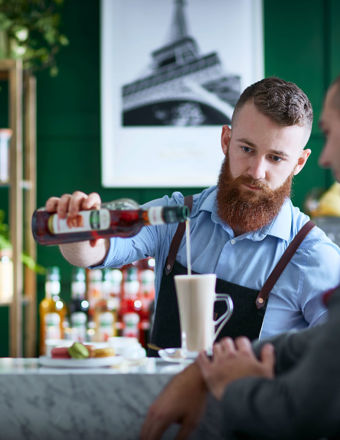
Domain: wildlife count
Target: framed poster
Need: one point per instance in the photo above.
(171, 72)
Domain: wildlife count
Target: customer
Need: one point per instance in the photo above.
(239, 229)
(302, 401)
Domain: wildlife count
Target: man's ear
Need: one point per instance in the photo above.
(225, 138)
(302, 160)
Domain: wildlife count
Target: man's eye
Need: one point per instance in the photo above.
(276, 158)
(246, 149)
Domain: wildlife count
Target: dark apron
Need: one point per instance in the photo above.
(249, 304)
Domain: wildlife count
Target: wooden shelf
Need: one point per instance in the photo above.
(22, 122)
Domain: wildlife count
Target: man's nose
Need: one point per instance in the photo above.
(257, 168)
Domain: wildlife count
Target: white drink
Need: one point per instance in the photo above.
(196, 296)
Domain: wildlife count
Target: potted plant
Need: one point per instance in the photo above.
(30, 30)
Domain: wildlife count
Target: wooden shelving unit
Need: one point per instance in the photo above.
(22, 202)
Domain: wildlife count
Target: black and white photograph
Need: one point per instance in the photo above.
(172, 71)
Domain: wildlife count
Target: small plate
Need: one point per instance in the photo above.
(108, 361)
(178, 355)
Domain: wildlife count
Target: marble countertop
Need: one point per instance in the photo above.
(19, 366)
(44, 403)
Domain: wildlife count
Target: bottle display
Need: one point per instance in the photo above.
(103, 303)
(52, 309)
(121, 218)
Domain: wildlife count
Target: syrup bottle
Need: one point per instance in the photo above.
(121, 218)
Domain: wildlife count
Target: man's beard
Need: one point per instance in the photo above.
(245, 210)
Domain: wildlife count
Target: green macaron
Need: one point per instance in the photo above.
(78, 351)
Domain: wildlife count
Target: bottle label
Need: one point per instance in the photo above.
(52, 326)
(131, 322)
(155, 215)
(78, 289)
(87, 221)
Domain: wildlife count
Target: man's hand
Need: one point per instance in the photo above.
(234, 360)
(182, 401)
(69, 205)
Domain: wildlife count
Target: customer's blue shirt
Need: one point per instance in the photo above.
(246, 260)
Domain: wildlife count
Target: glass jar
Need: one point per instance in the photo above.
(5, 138)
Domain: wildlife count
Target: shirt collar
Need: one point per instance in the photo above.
(279, 227)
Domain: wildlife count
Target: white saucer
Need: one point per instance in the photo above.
(108, 361)
(178, 355)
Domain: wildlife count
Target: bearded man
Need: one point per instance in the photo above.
(240, 230)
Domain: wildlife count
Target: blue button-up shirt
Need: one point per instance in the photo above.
(246, 260)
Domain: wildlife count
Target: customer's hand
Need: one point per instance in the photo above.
(234, 360)
(182, 401)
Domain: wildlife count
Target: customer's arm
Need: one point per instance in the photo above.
(302, 403)
(182, 401)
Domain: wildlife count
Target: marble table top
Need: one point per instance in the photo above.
(43, 403)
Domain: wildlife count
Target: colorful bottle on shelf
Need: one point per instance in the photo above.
(121, 218)
(106, 310)
(94, 291)
(131, 305)
(79, 305)
(147, 296)
(52, 309)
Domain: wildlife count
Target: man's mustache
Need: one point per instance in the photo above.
(256, 183)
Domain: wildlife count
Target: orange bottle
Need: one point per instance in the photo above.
(52, 310)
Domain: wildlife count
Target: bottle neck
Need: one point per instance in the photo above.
(78, 289)
(52, 289)
(157, 215)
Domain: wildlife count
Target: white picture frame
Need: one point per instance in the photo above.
(182, 152)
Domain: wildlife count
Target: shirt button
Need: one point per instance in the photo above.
(232, 241)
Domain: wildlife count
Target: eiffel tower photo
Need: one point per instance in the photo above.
(183, 87)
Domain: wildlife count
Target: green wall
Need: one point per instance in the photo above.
(301, 39)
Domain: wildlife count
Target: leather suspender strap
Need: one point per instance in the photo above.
(284, 260)
(177, 238)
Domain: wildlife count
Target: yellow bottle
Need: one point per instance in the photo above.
(52, 310)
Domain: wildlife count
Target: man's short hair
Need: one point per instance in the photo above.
(336, 96)
(283, 102)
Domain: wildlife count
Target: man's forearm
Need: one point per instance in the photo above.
(82, 254)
